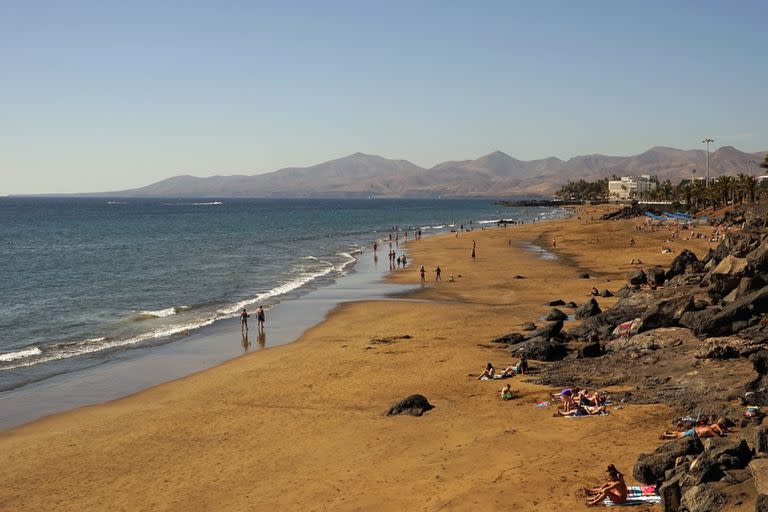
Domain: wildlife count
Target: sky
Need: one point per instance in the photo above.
(107, 95)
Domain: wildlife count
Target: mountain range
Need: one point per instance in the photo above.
(493, 175)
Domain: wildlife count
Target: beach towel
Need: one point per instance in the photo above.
(637, 495)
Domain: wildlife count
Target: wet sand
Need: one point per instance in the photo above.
(302, 426)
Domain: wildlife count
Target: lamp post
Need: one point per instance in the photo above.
(707, 141)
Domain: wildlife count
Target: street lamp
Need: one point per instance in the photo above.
(707, 141)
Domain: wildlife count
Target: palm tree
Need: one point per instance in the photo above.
(724, 186)
(750, 187)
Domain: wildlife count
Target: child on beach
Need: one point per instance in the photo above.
(506, 392)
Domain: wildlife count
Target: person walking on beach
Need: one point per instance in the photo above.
(437, 273)
(244, 320)
(422, 272)
(260, 318)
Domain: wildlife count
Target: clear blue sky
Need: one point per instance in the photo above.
(107, 95)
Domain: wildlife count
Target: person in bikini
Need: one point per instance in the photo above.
(615, 489)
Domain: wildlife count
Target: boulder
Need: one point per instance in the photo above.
(738, 243)
(519, 277)
(718, 448)
(554, 315)
(624, 292)
(670, 495)
(650, 467)
(758, 258)
(588, 309)
(548, 331)
(702, 470)
(714, 322)
(637, 277)
(571, 305)
(651, 340)
(720, 285)
(584, 275)
(591, 349)
(511, 338)
(558, 302)
(542, 349)
(702, 498)
(731, 265)
(666, 313)
(415, 405)
(729, 347)
(761, 441)
(604, 323)
(606, 293)
(528, 326)
(656, 275)
(746, 286)
(680, 264)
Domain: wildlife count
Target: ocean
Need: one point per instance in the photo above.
(84, 279)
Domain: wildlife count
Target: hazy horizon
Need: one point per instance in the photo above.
(108, 97)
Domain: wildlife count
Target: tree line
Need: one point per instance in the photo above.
(721, 191)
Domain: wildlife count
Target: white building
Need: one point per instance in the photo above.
(630, 187)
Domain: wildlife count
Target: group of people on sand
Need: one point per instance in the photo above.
(490, 371)
(580, 402)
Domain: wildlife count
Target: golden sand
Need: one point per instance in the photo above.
(302, 426)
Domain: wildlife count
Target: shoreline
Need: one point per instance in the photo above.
(138, 368)
(316, 406)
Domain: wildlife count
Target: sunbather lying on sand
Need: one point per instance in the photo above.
(703, 431)
(615, 489)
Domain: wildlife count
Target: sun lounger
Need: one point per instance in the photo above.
(637, 495)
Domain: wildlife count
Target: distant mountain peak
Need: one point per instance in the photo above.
(496, 174)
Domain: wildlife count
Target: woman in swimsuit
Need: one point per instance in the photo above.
(615, 489)
(488, 373)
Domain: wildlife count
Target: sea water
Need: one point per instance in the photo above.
(82, 279)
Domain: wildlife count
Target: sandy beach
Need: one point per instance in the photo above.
(302, 426)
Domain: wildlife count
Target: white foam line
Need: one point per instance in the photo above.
(20, 354)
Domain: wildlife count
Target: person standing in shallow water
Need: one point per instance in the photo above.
(260, 318)
(437, 273)
(244, 320)
(422, 272)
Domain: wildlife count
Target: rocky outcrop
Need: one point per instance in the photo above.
(666, 313)
(555, 315)
(414, 405)
(588, 309)
(542, 349)
(650, 468)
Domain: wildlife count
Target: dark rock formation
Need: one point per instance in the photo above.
(637, 277)
(542, 349)
(666, 313)
(588, 309)
(510, 339)
(415, 405)
(650, 467)
(554, 315)
(528, 326)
